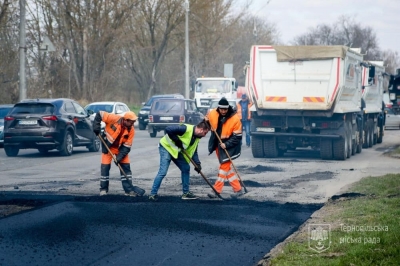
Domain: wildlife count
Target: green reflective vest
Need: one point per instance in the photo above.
(170, 146)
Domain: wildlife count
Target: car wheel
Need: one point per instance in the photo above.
(142, 126)
(68, 145)
(95, 147)
(153, 134)
(11, 151)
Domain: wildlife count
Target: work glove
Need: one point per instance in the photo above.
(96, 131)
(198, 168)
(179, 144)
(118, 159)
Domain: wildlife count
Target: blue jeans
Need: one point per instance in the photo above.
(246, 127)
(165, 160)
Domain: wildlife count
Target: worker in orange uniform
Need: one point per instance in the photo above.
(118, 135)
(227, 125)
(243, 111)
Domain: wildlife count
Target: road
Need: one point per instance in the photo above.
(76, 226)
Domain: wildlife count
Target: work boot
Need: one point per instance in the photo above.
(212, 195)
(237, 194)
(103, 192)
(189, 196)
(153, 197)
(131, 194)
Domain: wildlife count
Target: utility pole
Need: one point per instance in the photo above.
(22, 51)
(187, 91)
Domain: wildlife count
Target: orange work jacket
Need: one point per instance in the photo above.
(114, 128)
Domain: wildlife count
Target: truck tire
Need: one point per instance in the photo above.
(370, 134)
(326, 149)
(360, 133)
(270, 147)
(366, 135)
(257, 147)
(353, 141)
(340, 148)
(348, 129)
(380, 134)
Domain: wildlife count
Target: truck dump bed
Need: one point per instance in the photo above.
(315, 78)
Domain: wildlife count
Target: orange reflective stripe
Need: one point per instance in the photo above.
(275, 99)
(313, 99)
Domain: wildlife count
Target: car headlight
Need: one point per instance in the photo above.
(144, 112)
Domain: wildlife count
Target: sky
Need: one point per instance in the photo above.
(295, 17)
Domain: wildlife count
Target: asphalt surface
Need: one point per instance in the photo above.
(119, 230)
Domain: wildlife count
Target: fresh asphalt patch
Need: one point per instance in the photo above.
(133, 231)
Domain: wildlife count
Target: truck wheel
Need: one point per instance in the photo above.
(257, 147)
(359, 133)
(68, 145)
(270, 148)
(366, 135)
(370, 134)
(326, 149)
(348, 129)
(142, 126)
(353, 141)
(11, 151)
(340, 148)
(380, 134)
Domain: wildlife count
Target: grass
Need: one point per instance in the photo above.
(365, 229)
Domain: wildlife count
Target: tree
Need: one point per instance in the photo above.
(9, 48)
(346, 31)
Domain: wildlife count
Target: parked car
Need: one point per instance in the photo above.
(118, 108)
(392, 120)
(214, 104)
(144, 111)
(4, 109)
(165, 112)
(47, 124)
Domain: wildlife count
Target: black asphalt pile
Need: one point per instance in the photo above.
(99, 231)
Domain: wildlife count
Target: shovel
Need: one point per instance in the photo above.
(136, 189)
(201, 173)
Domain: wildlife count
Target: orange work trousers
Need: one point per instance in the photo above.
(107, 158)
(226, 174)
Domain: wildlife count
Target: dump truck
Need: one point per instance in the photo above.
(305, 96)
(373, 106)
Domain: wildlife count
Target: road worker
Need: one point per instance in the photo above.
(177, 138)
(118, 135)
(227, 125)
(243, 111)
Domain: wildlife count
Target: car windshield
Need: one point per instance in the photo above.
(100, 107)
(4, 112)
(167, 107)
(213, 86)
(33, 108)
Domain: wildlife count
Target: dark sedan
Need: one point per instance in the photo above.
(47, 124)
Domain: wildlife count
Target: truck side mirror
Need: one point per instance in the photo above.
(371, 75)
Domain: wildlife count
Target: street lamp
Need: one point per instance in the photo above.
(187, 49)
